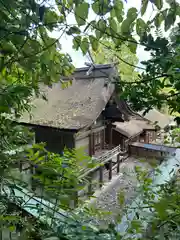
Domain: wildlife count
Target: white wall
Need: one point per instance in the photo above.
(83, 143)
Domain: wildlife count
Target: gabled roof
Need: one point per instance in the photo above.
(146, 125)
(128, 129)
(154, 115)
(77, 106)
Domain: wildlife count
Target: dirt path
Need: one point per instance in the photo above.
(126, 182)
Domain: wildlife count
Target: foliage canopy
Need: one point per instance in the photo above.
(30, 56)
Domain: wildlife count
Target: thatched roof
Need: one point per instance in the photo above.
(154, 115)
(128, 129)
(144, 124)
(77, 106)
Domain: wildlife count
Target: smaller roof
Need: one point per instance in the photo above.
(144, 124)
(163, 120)
(128, 129)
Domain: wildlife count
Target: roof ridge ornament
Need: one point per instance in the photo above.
(91, 67)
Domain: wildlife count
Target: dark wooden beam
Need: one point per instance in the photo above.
(90, 145)
(118, 163)
(110, 169)
(100, 176)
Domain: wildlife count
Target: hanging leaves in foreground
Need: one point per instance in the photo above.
(132, 44)
(158, 20)
(132, 14)
(144, 4)
(118, 9)
(94, 42)
(141, 26)
(76, 42)
(169, 20)
(158, 3)
(125, 27)
(81, 13)
(101, 7)
(84, 46)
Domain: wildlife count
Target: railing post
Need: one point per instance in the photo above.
(75, 199)
(32, 171)
(100, 176)
(118, 163)
(110, 169)
(90, 185)
(20, 165)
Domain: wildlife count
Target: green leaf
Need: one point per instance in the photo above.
(140, 26)
(158, 19)
(121, 198)
(169, 20)
(101, 7)
(178, 10)
(98, 34)
(112, 13)
(118, 8)
(73, 30)
(101, 25)
(159, 4)
(50, 19)
(112, 25)
(125, 26)
(94, 42)
(84, 46)
(100, 28)
(144, 5)
(8, 48)
(76, 42)
(132, 14)
(132, 46)
(81, 13)
(12, 228)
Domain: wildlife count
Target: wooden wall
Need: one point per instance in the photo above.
(55, 139)
(90, 138)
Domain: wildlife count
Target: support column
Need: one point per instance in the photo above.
(110, 169)
(104, 134)
(93, 144)
(118, 163)
(75, 199)
(90, 145)
(100, 176)
(32, 171)
(110, 145)
(20, 165)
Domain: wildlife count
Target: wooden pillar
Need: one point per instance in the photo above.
(32, 171)
(102, 139)
(118, 163)
(20, 165)
(110, 169)
(93, 143)
(90, 184)
(100, 176)
(75, 199)
(90, 145)
(110, 145)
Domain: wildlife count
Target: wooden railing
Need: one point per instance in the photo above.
(108, 160)
(104, 158)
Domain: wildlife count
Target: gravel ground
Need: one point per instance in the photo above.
(126, 182)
